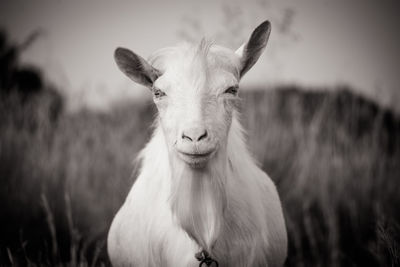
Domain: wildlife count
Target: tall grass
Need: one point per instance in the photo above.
(334, 157)
(85, 158)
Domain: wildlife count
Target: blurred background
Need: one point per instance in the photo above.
(322, 103)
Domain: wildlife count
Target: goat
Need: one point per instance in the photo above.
(199, 189)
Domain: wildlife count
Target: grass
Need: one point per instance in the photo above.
(333, 155)
(335, 158)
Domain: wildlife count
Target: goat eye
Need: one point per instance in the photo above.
(231, 90)
(158, 93)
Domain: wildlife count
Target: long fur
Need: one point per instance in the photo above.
(232, 210)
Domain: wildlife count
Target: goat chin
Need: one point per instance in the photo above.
(198, 198)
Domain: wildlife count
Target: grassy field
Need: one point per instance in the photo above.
(334, 156)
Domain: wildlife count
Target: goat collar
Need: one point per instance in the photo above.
(205, 259)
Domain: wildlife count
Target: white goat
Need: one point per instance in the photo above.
(199, 188)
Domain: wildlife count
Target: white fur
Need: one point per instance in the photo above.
(228, 207)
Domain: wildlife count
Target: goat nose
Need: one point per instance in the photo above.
(194, 134)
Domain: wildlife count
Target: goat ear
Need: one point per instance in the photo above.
(135, 67)
(250, 52)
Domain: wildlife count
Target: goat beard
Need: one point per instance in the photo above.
(198, 199)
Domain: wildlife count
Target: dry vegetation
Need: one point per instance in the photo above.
(334, 156)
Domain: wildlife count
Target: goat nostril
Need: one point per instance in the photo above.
(195, 134)
(186, 137)
(204, 135)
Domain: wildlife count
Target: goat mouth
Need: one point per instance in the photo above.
(196, 159)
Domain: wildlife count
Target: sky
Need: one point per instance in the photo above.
(313, 42)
